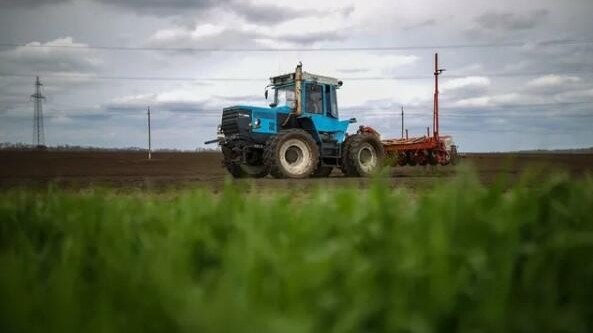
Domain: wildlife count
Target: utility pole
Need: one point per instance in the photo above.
(149, 139)
(402, 121)
(38, 132)
(435, 118)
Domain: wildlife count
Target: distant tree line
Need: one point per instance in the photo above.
(29, 147)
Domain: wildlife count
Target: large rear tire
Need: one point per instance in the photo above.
(291, 154)
(363, 155)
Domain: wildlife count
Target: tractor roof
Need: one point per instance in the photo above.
(285, 79)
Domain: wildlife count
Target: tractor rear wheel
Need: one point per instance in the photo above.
(363, 155)
(346, 147)
(291, 154)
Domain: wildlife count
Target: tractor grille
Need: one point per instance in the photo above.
(234, 121)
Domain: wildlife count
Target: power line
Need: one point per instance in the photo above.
(360, 110)
(243, 79)
(510, 106)
(303, 49)
(512, 110)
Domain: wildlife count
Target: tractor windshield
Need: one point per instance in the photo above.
(285, 96)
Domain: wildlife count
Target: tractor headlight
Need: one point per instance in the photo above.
(219, 129)
(255, 123)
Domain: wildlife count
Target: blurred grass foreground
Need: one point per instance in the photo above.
(458, 258)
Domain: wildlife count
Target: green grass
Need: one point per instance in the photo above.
(458, 258)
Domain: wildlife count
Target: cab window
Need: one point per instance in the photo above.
(327, 98)
(314, 98)
(333, 109)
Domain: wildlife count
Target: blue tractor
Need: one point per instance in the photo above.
(298, 136)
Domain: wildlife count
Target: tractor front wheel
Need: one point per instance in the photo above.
(291, 154)
(232, 162)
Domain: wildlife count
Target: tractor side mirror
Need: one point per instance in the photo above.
(352, 120)
(266, 94)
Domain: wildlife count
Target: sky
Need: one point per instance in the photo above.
(519, 74)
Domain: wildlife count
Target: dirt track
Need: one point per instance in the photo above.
(133, 170)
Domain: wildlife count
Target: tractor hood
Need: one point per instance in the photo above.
(241, 120)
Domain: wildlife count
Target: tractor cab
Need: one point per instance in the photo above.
(315, 99)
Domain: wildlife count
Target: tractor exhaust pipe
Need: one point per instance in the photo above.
(298, 83)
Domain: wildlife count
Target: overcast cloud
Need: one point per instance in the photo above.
(529, 84)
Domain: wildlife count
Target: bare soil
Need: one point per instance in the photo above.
(133, 170)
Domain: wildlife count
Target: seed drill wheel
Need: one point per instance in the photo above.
(411, 158)
(442, 157)
(291, 154)
(422, 157)
(242, 170)
(402, 159)
(363, 155)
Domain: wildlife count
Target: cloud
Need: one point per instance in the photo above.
(231, 31)
(164, 7)
(509, 21)
(29, 3)
(553, 81)
(467, 90)
(500, 25)
(267, 12)
(580, 95)
(463, 83)
(360, 64)
(171, 102)
(474, 101)
(421, 24)
(252, 11)
(42, 58)
(179, 101)
(555, 86)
